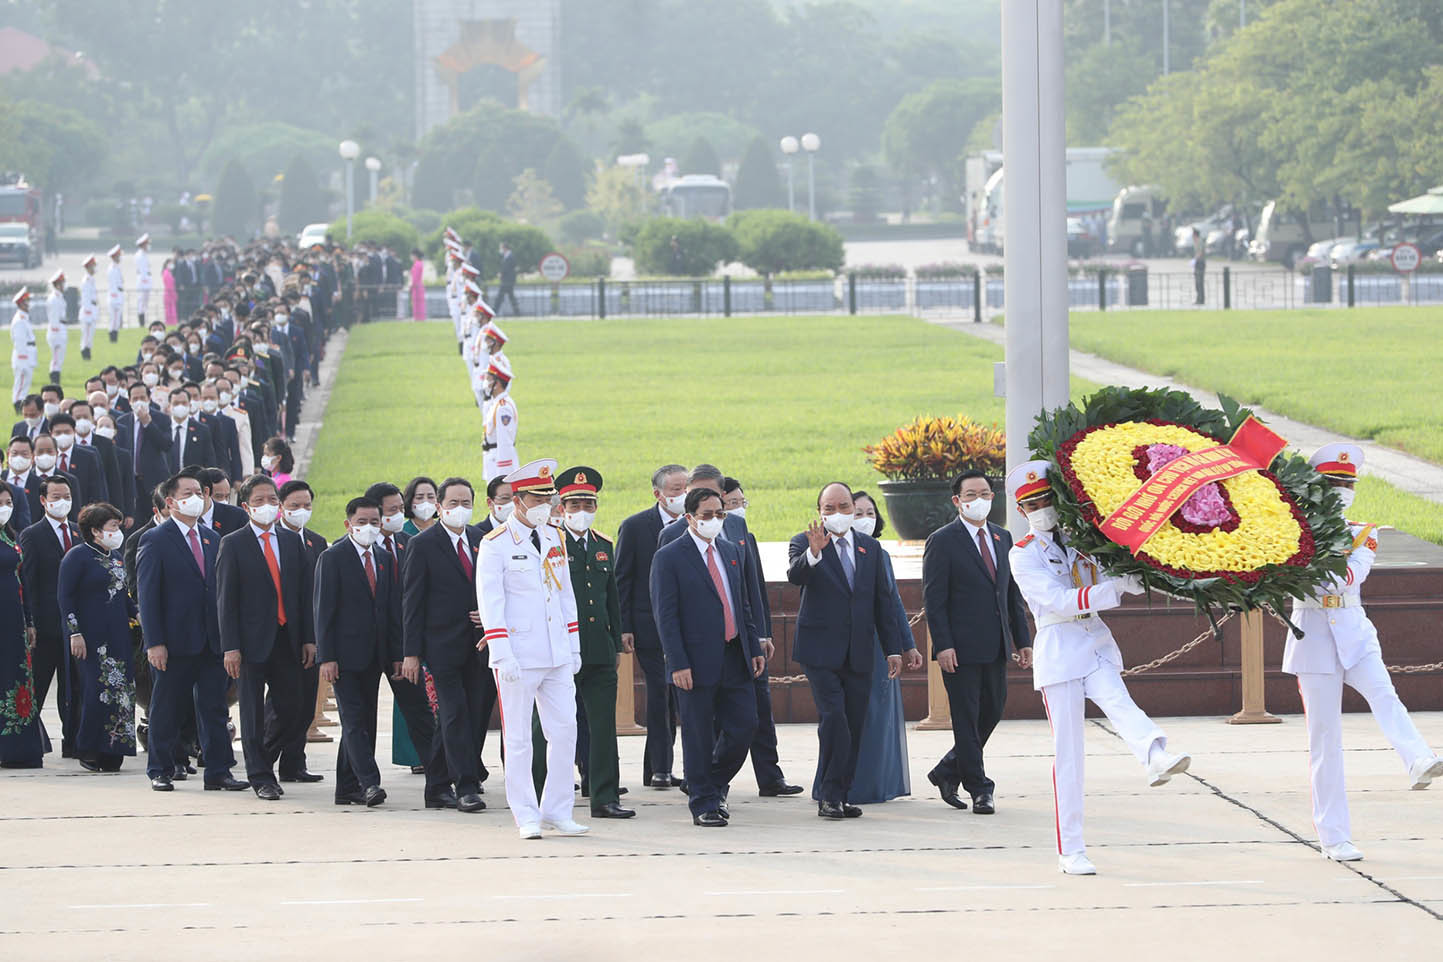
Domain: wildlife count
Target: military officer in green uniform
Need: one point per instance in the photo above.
(592, 557)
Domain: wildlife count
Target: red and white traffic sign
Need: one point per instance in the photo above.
(555, 267)
(1406, 258)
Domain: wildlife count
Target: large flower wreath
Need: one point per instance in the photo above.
(1248, 541)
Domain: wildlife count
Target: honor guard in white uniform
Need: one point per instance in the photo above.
(1074, 658)
(22, 347)
(524, 595)
(56, 337)
(492, 337)
(1339, 645)
(453, 289)
(498, 415)
(143, 281)
(89, 307)
(115, 292)
(479, 349)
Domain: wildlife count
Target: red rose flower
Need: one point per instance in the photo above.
(24, 701)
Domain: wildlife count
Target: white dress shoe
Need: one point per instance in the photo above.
(566, 827)
(1164, 765)
(529, 831)
(1076, 864)
(1343, 852)
(1423, 772)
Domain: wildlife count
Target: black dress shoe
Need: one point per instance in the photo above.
(662, 781)
(374, 796)
(350, 798)
(724, 810)
(851, 811)
(830, 810)
(189, 768)
(622, 790)
(470, 803)
(780, 788)
(585, 789)
(948, 788)
(161, 783)
(303, 776)
(443, 800)
(268, 791)
(709, 820)
(180, 774)
(90, 764)
(418, 769)
(984, 804)
(227, 784)
(612, 810)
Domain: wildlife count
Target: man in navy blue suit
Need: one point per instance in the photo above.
(845, 600)
(711, 651)
(176, 584)
(976, 617)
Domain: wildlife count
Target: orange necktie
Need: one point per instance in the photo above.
(275, 567)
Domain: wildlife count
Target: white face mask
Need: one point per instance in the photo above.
(106, 433)
(180, 411)
(111, 540)
(538, 514)
(5, 511)
(675, 504)
(738, 512)
(225, 397)
(424, 510)
(864, 525)
(64, 441)
(268, 461)
(457, 517)
(580, 521)
(1346, 496)
(1042, 519)
(209, 405)
(33, 422)
(84, 426)
(297, 517)
(51, 409)
(976, 511)
(45, 461)
(709, 528)
(146, 356)
(19, 464)
(264, 514)
(58, 508)
(391, 523)
(176, 373)
(365, 535)
(111, 390)
(503, 512)
(190, 506)
(837, 523)
(150, 379)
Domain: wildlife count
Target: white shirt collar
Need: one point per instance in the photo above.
(363, 552)
(23, 478)
(701, 543)
(666, 519)
(260, 532)
(185, 529)
(56, 525)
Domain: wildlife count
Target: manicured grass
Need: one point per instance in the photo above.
(1381, 503)
(1369, 372)
(103, 354)
(783, 403)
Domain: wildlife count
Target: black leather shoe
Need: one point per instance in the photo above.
(780, 788)
(948, 788)
(585, 789)
(374, 796)
(418, 769)
(303, 776)
(830, 810)
(350, 798)
(663, 781)
(444, 800)
(180, 774)
(268, 791)
(161, 783)
(470, 803)
(90, 764)
(227, 784)
(189, 769)
(622, 790)
(724, 810)
(984, 804)
(851, 811)
(709, 820)
(612, 810)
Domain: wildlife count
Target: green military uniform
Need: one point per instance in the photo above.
(592, 558)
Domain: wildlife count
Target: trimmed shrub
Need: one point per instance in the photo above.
(703, 246)
(776, 240)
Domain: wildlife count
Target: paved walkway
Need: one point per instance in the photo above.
(1401, 470)
(1218, 862)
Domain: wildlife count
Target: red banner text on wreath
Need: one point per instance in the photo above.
(1147, 509)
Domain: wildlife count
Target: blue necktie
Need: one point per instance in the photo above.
(846, 558)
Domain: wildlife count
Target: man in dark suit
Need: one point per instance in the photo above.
(158, 514)
(32, 421)
(190, 441)
(264, 591)
(225, 437)
(711, 652)
(82, 462)
(175, 573)
(144, 446)
(296, 499)
(20, 467)
(43, 544)
(500, 502)
(976, 617)
(508, 280)
(845, 608)
(121, 493)
(220, 515)
(358, 638)
(47, 458)
(635, 547)
(442, 626)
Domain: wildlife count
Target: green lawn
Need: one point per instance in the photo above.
(783, 403)
(1369, 372)
(76, 369)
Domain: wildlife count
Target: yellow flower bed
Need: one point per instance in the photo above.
(1269, 533)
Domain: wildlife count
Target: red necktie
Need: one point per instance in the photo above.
(371, 573)
(986, 555)
(716, 580)
(195, 550)
(465, 558)
(395, 561)
(275, 567)
(65, 534)
(64, 463)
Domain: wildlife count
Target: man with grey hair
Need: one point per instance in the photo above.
(635, 547)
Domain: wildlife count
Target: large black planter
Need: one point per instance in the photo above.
(917, 508)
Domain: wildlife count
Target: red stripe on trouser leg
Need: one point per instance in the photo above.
(1056, 812)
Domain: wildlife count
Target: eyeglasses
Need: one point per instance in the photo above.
(744, 503)
(969, 498)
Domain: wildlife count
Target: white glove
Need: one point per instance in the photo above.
(575, 663)
(507, 670)
(1132, 585)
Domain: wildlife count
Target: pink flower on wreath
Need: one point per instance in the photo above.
(1206, 507)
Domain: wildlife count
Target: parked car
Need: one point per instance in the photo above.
(1081, 242)
(1318, 253)
(312, 234)
(18, 244)
(1135, 225)
(1353, 251)
(1215, 229)
(1284, 235)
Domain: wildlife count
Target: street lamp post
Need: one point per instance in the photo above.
(349, 151)
(811, 143)
(789, 147)
(373, 164)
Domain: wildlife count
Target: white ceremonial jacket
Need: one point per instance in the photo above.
(525, 598)
(115, 279)
(55, 318)
(89, 301)
(22, 340)
(500, 419)
(142, 271)
(1341, 633)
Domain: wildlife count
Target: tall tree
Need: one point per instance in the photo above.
(301, 201)
(566, 171)
(237, 211)
(701, 158)
(757, 182)
(926, 134)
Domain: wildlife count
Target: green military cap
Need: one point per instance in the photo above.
(578, 482)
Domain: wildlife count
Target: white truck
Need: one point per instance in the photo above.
(1090, 190)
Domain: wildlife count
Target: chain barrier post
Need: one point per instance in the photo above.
(1254, 709)
(626, 696)
(939, 709)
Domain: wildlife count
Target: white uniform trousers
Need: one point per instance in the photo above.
(142, 301)
(117, 312)
(23, 374)
(1066, 704)
(553, 692)
(87, 329)
(57, 355)
(1323, 709)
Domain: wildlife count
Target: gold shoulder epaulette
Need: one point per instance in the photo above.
(602, 535)
(494, 532)
(1024, 542)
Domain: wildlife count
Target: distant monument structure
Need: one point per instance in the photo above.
(470, 50)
